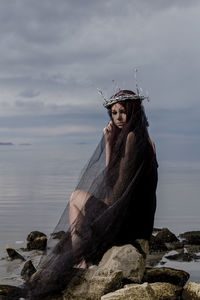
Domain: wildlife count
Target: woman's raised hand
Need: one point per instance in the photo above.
(108, 132)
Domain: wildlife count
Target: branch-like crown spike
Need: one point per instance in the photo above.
(136, 82)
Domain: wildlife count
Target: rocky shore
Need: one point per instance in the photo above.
(125, 272)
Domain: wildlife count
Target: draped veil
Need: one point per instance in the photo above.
(119, 207)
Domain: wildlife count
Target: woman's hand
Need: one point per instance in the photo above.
(108, 132)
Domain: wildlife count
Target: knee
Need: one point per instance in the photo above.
(74, 198)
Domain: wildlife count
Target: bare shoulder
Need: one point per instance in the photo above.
(130, 137)
(130, 142)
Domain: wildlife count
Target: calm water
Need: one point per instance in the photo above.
(36, 183)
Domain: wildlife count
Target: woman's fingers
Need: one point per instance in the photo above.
(108, 128)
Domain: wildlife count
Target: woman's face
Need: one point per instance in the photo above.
(118, 114)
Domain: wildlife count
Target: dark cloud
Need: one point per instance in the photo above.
(54, 56)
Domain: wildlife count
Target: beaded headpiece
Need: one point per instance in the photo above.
(123, 95)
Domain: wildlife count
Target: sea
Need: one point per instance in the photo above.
(36, 182)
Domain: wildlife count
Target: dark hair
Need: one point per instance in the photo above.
(136, 121)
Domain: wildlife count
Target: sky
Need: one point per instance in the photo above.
(55, 54)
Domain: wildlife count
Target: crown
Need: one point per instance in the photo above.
(123, 95)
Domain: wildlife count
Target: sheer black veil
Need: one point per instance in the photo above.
(120, 202)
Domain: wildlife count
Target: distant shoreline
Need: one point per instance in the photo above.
(11, 144)
(6, 144)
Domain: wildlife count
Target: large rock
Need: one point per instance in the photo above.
(166, 291)
(118, 264)
(132, 292)
(36, 241)
(191, 237)
(174, 276)
(191, 291)
(91, 284)
(126, 259)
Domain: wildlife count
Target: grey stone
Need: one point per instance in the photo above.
(126, 259)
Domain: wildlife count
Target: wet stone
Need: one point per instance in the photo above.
(13, 254)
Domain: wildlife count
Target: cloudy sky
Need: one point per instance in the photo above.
(55, 54)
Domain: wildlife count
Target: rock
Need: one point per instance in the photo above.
(174, 245)
(166, 236)
(57, 235)
(191, 237)
(13, 254)
(28, 270)
(9, 292)
(91, 284)
(126, 259)
(183, 257)
(142, 246)
(156, 230)
(174, 276)
(164, 240)
(132, 292)
(191, 291)
(192, 248)
(166, 291)
(119, 264)
(156, 245)
(154, 258)
(189, 233)
(36, 241)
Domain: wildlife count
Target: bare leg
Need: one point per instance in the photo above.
(77, 202)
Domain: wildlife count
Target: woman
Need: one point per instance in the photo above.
(114, 202)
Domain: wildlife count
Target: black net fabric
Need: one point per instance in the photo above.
(118, 205)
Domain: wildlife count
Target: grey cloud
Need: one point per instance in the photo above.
(57, 54)
(29, 93)
(29, 105)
